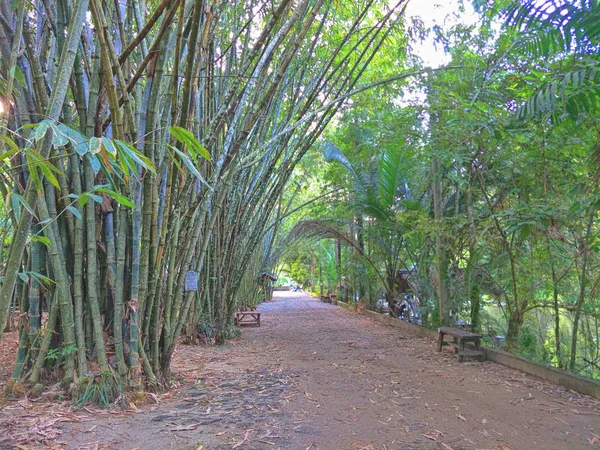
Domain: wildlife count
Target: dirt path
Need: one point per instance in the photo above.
(317, 376)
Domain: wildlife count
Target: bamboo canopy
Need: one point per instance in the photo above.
(144, 140)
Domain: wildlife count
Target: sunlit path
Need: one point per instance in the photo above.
(367, 384)
(318, 376)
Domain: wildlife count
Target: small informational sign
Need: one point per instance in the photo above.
(191, 281)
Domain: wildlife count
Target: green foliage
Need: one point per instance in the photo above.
(569, 94)
(516, 185)
(58, 353)
(194, 147)
(554, 26)
(103, 390)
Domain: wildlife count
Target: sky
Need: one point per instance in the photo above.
(441, 12)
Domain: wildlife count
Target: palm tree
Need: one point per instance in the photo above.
(373, 201)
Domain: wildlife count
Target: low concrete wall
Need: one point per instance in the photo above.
(560, 377)
(557, 376)
(407, 326)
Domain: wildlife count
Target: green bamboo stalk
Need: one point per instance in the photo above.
(14, 53)
(151, 181)
(25, 299)
(143, 31)
(79, 91)
(133, 303)
(33, 310)
(39, 82)
(22, 352)
(167, 330)
(78, 269)
(62, 291)
(56, 102)
(119, 290)
(93, 122)
(46, 340)
(108, 75)
(137, 14)
(112, 62)
(91, 268)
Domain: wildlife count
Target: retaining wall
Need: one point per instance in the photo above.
(557, 376)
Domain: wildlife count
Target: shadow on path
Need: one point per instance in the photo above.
(316, 376)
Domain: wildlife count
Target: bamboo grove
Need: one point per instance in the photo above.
(146, 140)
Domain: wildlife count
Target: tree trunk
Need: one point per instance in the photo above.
(473, 292)
(440, 252)
(581, 297)
(515, 323)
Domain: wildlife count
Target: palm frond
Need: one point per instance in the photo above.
(313, 230)
(552, 26)
(333, 153)
(566, 96)
(373, 191)
(389, 162)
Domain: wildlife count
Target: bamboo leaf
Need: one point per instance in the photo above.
(75, 212)
(130, 153)
(120, 198)
(95, 145)
(18, 75)
(59, 139)
(190, 165)
(40, 130)
(33, 173)
(95, 197)
(95, 162)
(41, 239)
(82, 148)
(49, 175)
(9, 153)
(82, 199)
(188, 139)
(12, 144)
(17, 200)
(109, 146)
(47, 168)
(79, 142)
(41, 278)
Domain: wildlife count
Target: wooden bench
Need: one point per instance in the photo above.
(329, 298)
(242, 318)
(460, 339)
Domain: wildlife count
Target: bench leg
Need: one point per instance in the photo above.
(478, 348)
(440, 341)
(461, 350)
